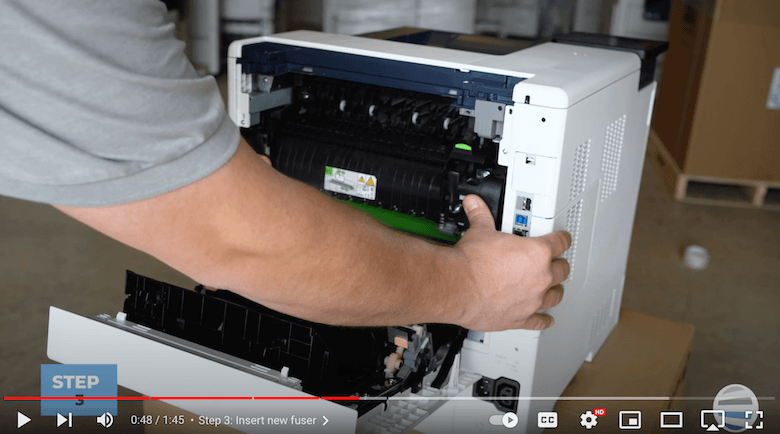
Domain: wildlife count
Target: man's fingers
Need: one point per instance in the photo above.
(560, 270)
(559, 242)
(538, 321)
(552, 297)
(478, 213)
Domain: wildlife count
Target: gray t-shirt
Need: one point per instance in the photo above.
(99, 105)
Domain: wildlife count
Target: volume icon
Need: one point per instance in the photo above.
(105, 419)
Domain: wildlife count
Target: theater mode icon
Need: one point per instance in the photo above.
(671, 419)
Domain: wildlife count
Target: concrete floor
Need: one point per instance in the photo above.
(734, 303)
(48, 259)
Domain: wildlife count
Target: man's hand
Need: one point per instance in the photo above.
(511, 278)
(276, 241)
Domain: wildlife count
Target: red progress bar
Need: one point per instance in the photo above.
(175, 398)
(72, 398)
(307, 398)
(226, 398)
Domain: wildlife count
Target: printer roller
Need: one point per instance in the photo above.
(405, 140)
(410, 187)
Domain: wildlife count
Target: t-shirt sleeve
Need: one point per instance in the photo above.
(100, 106)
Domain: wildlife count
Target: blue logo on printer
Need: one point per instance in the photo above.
(78, 381)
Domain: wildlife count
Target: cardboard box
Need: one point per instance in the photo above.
(713, 112)
(644, 356)
(518, 18)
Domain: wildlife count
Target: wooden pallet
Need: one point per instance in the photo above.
(710, 190)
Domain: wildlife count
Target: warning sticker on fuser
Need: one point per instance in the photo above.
(356, 184)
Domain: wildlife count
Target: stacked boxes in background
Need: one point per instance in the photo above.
(540, 18)
(352, 17)
(717, 116)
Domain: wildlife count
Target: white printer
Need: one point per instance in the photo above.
(404, 124)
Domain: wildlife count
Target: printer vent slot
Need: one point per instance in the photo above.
(613, 144)
(580, 170)
(602, 322)
(599, 321)
(573, 218)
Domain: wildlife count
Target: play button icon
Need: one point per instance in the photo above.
(21, 419)
(509, 420)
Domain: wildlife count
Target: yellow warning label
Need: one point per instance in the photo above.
(356, 184)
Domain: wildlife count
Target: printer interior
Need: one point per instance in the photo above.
(419, 151)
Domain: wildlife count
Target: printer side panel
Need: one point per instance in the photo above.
(595, 133)
(622, 167)
(532, 151)
(600, 219)
(597, 147)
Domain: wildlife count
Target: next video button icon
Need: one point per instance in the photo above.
(62, 419)
(547, 419)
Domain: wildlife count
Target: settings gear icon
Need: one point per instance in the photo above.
(588, 419)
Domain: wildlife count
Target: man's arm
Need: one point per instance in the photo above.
(252, 230)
